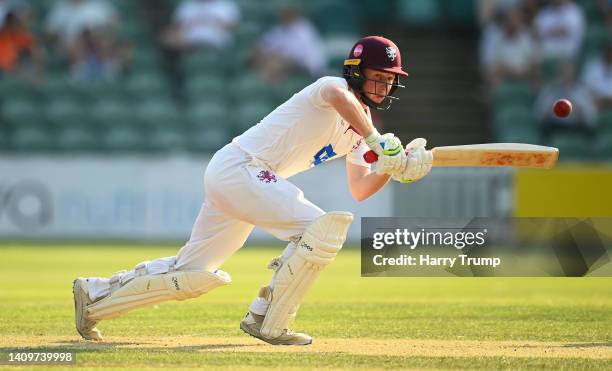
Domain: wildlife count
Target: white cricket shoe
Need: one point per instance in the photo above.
(84, 326)
(251, 324)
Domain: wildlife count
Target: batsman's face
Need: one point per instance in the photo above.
(377, 84)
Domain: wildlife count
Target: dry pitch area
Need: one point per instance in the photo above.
(357, 322)
(357, 347)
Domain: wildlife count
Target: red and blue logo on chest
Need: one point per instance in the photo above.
(323, 155)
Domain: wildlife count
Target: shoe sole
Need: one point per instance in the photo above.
(80, 308)
(248, 330)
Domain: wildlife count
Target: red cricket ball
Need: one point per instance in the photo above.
(562, 108)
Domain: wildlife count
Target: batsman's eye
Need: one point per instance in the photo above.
(377, 240)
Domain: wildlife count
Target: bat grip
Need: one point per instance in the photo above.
(370, 157)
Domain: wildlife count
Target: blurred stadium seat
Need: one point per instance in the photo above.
(111, 113)
(207, 139)
(250, 113)
(419, 12)
(71, 139)
(31, 139)
(124, 139)
(66, 112)
(158, 113)
(166, 139)
(21, 111)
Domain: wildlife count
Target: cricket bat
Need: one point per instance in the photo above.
(490, 155)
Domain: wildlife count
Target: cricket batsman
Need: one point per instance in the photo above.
(246, 185)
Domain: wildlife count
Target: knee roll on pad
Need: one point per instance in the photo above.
(152, 289)
(319, 245)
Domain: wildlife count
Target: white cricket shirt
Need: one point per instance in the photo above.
(303, 132)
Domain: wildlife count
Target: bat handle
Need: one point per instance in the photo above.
(370, 157)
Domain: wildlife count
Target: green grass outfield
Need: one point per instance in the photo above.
(418, 323)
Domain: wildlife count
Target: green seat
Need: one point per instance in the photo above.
(603, 145)
(293, 85)
(77, 139)
(31, 139)
(604, 120)
(513, 117)
(134, 30)
(419, 12)
(250, 113)
(57, 63)
(208, 114)
(56, 86)
(124, 139)
(513, 92)
(461, 12)
(202, 62)
(21, 112)
(146, 60)
(250, 86)
(5, 140)
(249, 32)
(66, 112)
(112, 113)
(157, 112)
(549, 69)
(204, 86)
(571, 146)
(167, 139)
(96, 91)
(519, 135)
(17, 88)
(336, 18)
(147, 86)
(596, 37)
(207, 139)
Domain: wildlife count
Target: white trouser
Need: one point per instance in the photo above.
(241, 193)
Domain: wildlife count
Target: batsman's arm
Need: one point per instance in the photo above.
(349, 108)
(362, 182)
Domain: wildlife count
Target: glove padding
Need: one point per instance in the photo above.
(384, 145)
(417, 162)
(394, 161)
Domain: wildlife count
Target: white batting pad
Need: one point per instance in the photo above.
(151, 289)
(320, 243)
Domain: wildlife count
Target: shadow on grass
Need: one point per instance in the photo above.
(105, 346)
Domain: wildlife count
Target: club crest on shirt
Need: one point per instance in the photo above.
(323, 155)
(266, 176)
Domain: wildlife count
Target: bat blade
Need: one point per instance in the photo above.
(496, 155)
(490, 155)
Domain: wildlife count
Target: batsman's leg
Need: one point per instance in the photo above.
(193, 272)
(276, 306)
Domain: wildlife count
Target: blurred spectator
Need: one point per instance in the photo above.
(510, 52)
(68, 19)
(199, 23)
(597, 75)
(293, 45)
(97, 56)
(584, 112)
(4, 8)
(20, 8)
(17, 43)
(560, 27)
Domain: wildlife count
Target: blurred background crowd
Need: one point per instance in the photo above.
(157, 76)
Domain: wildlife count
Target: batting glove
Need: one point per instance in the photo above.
(417, 163)
(390, 152)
